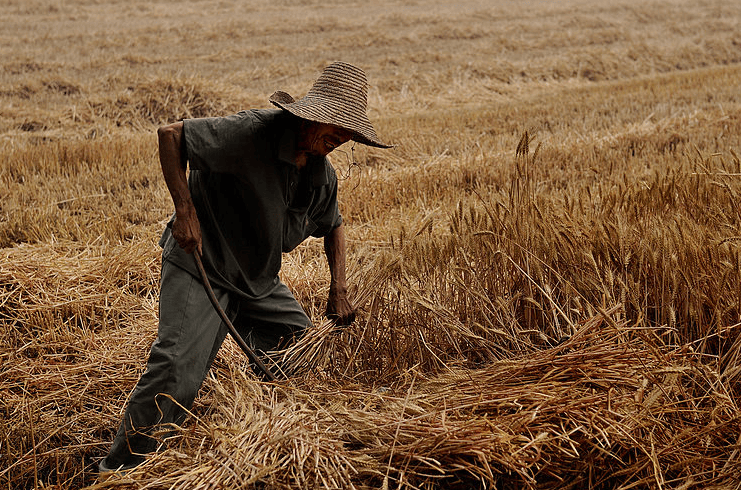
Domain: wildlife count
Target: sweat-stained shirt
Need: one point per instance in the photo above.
(252, 201)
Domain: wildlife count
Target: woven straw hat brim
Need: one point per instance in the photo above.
(338, 97)
(329, 112)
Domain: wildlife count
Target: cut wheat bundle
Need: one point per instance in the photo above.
(603, 409)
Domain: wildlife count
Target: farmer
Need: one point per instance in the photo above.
(259, 185)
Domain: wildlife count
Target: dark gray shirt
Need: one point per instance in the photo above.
(252, 201)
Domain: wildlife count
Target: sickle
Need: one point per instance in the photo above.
(245, 348)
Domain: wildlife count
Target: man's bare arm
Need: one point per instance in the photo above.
(339, 307)
(186, 229)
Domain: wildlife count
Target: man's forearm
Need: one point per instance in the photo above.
(186, 228)
(170, 140)
(334, 247)
(339, 306)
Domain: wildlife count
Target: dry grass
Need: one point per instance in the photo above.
(65, 310)
(600, 410)
(547, 264)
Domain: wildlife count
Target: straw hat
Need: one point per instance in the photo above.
(338, 97)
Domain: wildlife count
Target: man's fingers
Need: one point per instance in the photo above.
(340, 310)
(342, 319)
(188, 242)
(187, 232)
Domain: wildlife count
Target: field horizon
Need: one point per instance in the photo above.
(546, 265)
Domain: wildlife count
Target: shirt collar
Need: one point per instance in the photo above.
(287, 154)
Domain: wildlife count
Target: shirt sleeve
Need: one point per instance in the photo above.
(326, 214)
(219, 144)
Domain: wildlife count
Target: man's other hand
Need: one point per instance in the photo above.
(339, 307)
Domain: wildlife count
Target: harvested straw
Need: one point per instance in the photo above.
(146, 103)
(76, 323)
(602, 410)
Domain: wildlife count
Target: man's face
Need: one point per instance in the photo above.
(320, 139)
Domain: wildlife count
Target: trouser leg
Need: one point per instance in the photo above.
(272, 323)
(189, 335)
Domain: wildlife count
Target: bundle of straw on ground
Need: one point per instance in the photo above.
(601, 410)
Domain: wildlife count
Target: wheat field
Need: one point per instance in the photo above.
(547, 264)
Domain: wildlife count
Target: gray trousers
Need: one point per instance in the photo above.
(189, 336)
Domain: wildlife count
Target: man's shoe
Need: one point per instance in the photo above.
(105, 473)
